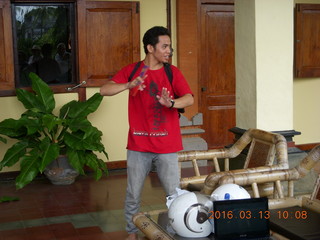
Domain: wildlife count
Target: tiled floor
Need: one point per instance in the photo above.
(87, 209)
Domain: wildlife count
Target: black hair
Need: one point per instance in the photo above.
(152, 36)
(46, 49)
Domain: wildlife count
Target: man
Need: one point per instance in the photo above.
(46, 68)
(36, 54)
(63, 58)
(154, 133)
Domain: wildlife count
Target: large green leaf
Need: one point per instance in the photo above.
(106, 154)
(83, 109)
(13, 154)
(102, 166)
(93, 135)
(32, 113)
(78, 124)
(91, 132)
(32, 125)
(12, 128)
(76, 159)
(64, 110)
(94, 165)
(44, 92)
(49, 152)
(80, 141)
(50, 121)
(29, 169)
(30, 100)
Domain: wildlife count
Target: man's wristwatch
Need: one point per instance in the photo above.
(172, 103)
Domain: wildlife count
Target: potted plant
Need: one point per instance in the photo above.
(43, 136)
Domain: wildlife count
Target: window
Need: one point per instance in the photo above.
(88, 29)
(44, 42)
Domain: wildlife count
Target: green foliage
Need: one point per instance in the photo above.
(42, 136)
(8, 199)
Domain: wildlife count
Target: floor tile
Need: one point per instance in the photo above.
(11, 225)
(63, 230)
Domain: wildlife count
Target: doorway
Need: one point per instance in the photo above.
(217, 73)
(214, 36)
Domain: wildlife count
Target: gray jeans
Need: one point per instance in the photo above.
(138, 167)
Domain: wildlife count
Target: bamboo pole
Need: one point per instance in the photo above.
(150, 228)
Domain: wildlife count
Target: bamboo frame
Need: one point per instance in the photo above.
(276, 176)
(254, 177)
(274, 146)
(153, 231)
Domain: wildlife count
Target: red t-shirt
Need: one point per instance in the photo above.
(153, 127)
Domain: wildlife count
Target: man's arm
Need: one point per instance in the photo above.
(166, 100)
(112, 88)
(184, 101)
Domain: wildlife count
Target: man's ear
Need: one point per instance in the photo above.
(150, 48)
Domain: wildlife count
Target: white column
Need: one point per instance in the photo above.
(264, 64)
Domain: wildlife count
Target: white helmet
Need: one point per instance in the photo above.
(188, 215)
(229, 191)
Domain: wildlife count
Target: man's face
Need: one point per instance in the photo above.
(162, 50)
(61, 50)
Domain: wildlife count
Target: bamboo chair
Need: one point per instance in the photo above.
(294, 227)
(277, 178)
(264, 147)
(148, 222)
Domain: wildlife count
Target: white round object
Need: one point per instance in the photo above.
(228, 192)
(188, 215)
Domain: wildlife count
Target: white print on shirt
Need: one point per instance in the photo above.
(150, 134)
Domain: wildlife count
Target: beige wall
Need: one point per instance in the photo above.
(306, 115)
(274, 30)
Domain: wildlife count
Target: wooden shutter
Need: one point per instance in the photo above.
(6, 49)
(307, 40)
(109, 39)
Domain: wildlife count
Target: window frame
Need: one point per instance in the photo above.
(63, 87)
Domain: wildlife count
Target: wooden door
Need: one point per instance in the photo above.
(217, 72)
